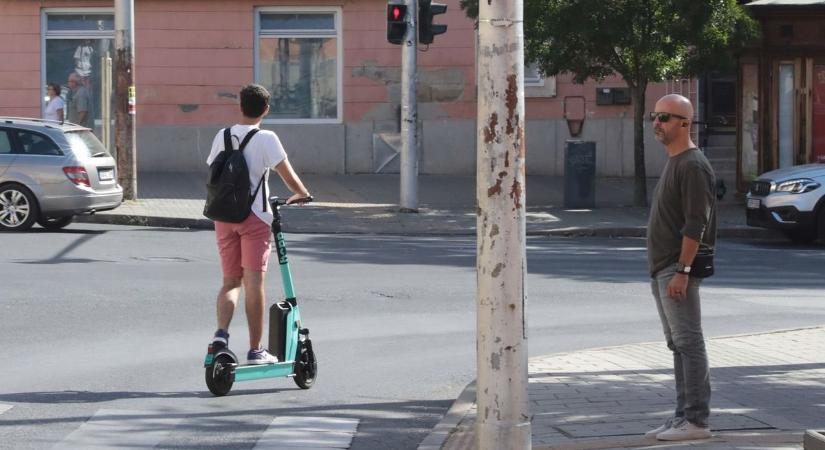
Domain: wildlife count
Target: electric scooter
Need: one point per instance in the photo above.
(288, 340)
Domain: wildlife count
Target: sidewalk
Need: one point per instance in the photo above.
(767, 390)
(368, 204)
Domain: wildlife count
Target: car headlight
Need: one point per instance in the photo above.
(797, 186)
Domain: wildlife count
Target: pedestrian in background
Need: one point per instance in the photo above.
(244, 247)
(682, 222)
(55, 106)
(80, 103)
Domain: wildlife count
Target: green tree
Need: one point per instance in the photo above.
(644, 41)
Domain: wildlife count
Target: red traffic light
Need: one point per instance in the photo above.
(396, 12)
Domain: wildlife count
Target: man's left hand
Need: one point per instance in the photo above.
(677, 288)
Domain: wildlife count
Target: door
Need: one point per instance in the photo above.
(785, 115)
(6, 154)
(818, 110)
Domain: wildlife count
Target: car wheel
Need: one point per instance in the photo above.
(54, 223)
(18, 208)
(820, 223)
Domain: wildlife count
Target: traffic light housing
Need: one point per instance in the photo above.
(396, 22)
(426, 29)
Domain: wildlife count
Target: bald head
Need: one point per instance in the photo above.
(676, 104)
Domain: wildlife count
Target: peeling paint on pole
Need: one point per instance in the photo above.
(504, 420)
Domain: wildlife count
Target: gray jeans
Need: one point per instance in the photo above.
(682, 324)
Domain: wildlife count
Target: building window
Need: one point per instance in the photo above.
(298, 58)
(74, 43)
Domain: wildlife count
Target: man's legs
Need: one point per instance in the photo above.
(683, 320)
(253, 285)
(227, 301)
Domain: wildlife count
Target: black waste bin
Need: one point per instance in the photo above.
(579, 174)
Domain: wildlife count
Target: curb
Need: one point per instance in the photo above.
(146, 221)
(439, 434)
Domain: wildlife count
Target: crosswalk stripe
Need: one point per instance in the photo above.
(114, 428)
(4, 408)
(306, 433)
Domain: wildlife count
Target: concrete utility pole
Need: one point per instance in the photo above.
(409, 112)
(503, 420)
(125, 97)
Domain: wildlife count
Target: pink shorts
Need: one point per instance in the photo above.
(244, 245)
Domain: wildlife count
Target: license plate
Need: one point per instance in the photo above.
(753, 203)
(106, 174)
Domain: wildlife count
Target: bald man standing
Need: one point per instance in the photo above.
(682, 221)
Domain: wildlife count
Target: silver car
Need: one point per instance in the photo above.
(791, 200)
(49, 172)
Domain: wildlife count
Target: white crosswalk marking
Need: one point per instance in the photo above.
(4, 408)
(114, 428)
(308, 433)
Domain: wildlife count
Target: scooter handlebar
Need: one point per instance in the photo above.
(277, 202)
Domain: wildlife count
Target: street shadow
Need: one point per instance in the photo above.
(739, 264)
(60, 256)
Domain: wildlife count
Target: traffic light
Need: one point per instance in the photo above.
(426, 29)
(396, 22)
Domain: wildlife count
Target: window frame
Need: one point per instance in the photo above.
(66, 34)
(337, 13)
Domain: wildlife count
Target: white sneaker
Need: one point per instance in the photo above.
(660, 429)
(684, 431)
(260, 356)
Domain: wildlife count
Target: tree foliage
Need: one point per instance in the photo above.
(642, 40)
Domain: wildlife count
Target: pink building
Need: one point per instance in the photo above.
(335, 82)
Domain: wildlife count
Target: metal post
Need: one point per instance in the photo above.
(125, 97)
(503, 420)
(409, 113)
(106, 101)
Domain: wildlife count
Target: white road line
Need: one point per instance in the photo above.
(307, 433)
(114, 428)
(4, 408)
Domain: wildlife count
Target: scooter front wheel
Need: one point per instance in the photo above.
(306, 367)
(220, 374)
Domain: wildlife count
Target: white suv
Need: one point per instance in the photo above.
(791, 200)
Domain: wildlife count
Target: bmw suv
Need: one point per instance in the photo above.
(791, 200)
(51, 171)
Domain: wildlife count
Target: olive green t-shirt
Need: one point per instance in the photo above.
(684, 204)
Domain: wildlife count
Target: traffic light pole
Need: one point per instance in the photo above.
(503, 420)
(409, 112)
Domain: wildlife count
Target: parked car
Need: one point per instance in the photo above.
(49, 172)
(791, 200)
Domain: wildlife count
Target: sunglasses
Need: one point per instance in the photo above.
(664, 117)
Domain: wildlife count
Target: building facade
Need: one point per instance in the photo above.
(781, 95)
(334, 78)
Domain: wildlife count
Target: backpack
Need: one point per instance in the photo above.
(227, 188)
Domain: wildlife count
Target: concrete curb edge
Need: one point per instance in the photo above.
(439, 434)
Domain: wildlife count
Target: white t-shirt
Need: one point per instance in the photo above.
(262, 153)
(52, 106)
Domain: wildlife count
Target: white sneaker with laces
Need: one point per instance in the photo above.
(260, 356)
(684, 431)
(660, 429)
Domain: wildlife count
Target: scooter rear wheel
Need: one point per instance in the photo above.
(219, 375)
(306, 367)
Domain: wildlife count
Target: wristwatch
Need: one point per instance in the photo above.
(683, 269)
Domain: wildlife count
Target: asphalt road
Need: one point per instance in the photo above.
(108, 321)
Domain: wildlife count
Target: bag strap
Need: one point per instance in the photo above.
(227, 138)
(248, 138)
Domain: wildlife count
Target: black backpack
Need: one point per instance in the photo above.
(227, 188)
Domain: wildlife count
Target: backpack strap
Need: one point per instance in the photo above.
(227, 138)
(245, 141)
(248, 138)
